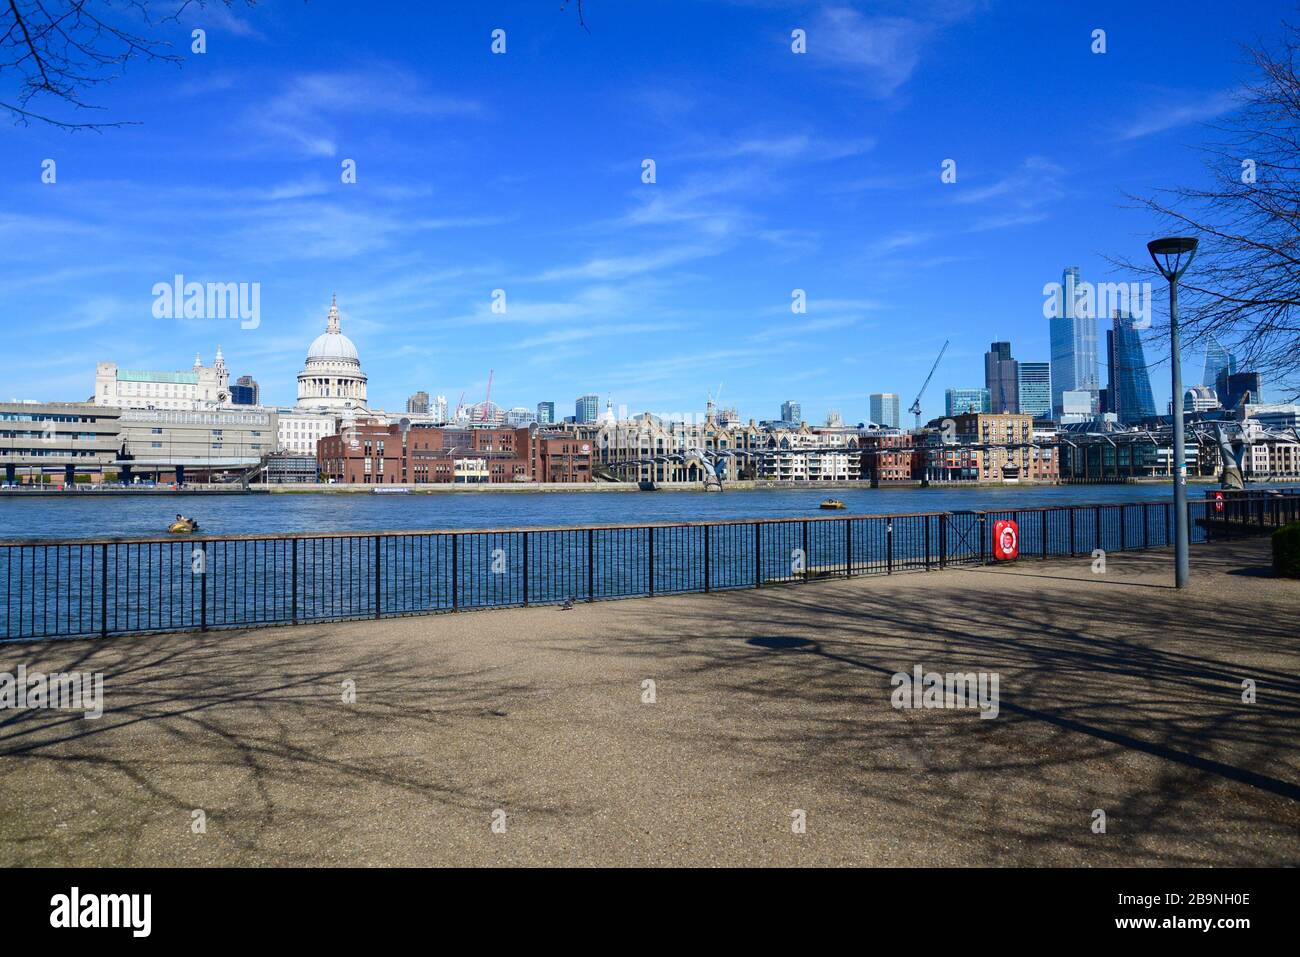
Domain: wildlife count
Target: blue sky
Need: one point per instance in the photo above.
(522, 172)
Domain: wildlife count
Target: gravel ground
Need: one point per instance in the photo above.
(1116, 693)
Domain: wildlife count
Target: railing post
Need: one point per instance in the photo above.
(293, 577)
(927, 543)
(1072, 551)
(103, 589)
(758, 556)
(848, 548)
(650, 567)
(378, 581)
(525, 569)
(1146, 525)
(889, 546)
(1123, 532)
(1165, 509)
(1043, 549)
(1097, 515)
(591, 566)
(706, 557)
(805, 549)
(203, 590)
(943, 540)
(455, 571)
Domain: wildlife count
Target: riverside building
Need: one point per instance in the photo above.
(60, 440)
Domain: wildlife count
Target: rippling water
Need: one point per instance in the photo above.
(86, 515)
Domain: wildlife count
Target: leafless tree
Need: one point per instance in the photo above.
(1244, 286)
(56, 51)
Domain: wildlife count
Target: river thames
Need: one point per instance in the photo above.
(89, 515)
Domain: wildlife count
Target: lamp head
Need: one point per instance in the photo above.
(1172, 255)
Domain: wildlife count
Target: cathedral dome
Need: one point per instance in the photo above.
(332, 346)
(331, 377)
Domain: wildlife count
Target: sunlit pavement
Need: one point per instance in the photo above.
(1116, 694)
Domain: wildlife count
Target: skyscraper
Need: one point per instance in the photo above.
(1129, 393)
(1034, 389)
(245, 391)
(545, 413)
(1232, 387)
(1002, 378)
(961, 401)
(418, 403)
(884, 409)
(586, 409)
(1074, 341)
(790, 411)
(1217, 359)
(439, 409)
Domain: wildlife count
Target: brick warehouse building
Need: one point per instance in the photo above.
(370, 453)
(891, 457)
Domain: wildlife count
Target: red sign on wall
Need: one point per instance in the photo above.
(1006, 540)
(1218, 501)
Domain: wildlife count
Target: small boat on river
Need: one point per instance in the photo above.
(183, 526)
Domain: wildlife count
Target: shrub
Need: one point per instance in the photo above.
(1286, 551)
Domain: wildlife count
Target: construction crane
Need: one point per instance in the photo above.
(916, 403)
(487, 402)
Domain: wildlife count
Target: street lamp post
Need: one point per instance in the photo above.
(1168, 255)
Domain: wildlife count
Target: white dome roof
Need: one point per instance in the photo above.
(332, 345)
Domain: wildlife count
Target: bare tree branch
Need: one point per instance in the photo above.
(582, 22)
(1243, 288)
(57, 50)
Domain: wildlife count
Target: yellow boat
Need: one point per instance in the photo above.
(833, 503)
(183, 526)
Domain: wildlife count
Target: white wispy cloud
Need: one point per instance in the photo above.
(1034, 182)
(304, 115)
(1166, 118)
(635, 264)
(790, 148)
(882, 52)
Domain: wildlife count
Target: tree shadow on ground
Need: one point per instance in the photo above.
(1124, 699)
(260, 712)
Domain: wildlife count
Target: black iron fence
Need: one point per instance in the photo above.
(1246, 509)
(117, 586)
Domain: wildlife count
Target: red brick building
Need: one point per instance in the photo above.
(373, 454)
(891, 458)
(561, 458)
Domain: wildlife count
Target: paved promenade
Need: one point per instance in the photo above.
(1116, 693)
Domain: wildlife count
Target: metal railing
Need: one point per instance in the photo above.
(108, 587)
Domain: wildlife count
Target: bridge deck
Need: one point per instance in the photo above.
(1116, 693)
